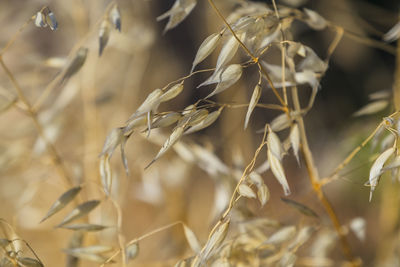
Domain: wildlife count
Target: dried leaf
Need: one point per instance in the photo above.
(104, 34)
(253, 102)
(246, 191)
(132, 251)
(295, 141)
(315, 20)
(96, 249)
(80, 211)
(229, 76)
(282, 235)
(86, 256)
(62, 201)
(376, 169)
(85, 227)
(372, 108)
(192, 239)
(115, 17)
(172, 139)
(393, 34)
(300, 207)
(206, 48)
(172, 92)
(277, 170)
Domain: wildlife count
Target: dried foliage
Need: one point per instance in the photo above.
(196, 185)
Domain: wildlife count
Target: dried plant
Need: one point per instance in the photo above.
(218, 190)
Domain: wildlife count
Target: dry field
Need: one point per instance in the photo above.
(199, 133)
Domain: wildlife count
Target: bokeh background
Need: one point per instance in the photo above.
(107, 90)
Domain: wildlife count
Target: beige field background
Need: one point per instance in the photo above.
(78, 115)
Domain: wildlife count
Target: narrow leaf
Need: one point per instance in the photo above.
(80, 211)
(376, 169)
(295, 141)
(300, 207)
(76, 64)
(105, 173)
(277, 170)
(274, 144)
(172, 139)
(62, 201)
(85, 227)
(192, 239)
(393, 34)
(104, 34)
(282, 235)
(115, 17)
(263, 194)
(372, 108)
(253, 102)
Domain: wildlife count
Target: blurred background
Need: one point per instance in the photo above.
(78, 115)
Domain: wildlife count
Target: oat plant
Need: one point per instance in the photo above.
(179, 179)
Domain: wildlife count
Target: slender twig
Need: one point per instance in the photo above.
(312, 169)
(253, 58)
(55, 156)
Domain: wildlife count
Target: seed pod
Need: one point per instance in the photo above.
(62, 201)
(79, 211)
(104, 34)
(115, 17)
(172, 92)
(206, 48)
(253, 102)
(229, 76)
(76, 64)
